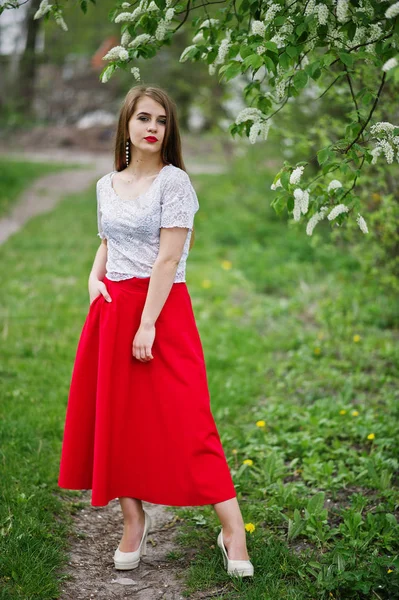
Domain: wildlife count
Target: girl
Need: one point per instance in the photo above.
(138, 423)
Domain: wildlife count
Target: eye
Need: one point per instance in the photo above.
(161, 121)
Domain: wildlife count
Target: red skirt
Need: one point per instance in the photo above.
(142, 429)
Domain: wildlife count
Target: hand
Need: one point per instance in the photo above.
(96, 288)
(142, 343)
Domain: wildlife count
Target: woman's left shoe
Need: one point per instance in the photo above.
(242, 568)
(130, 560)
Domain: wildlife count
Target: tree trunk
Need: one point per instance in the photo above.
(27, 66)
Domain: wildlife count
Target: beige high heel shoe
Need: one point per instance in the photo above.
(242, 568)
(130, 560)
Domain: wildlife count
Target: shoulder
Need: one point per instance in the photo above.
(176, 176)
(104, 179)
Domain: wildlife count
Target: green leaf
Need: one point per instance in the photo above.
(245, 51)
(271, 46)
(284, 60)
(346, 58)
(285, 179)
(254, 60)
(323, 155)
(300, 79)
(315, 504)
(292, 51)
(232, 70)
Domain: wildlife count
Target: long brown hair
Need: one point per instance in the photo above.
(171, 151)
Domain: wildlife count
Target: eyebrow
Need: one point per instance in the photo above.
(146, 113)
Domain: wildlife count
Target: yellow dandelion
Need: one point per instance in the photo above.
(206, 283)
(234, 451)
(342, 412)
(248, 461)
(226, 265)
(371, 436)
(317, 350)
(356, 338)
(260, 423)
(355, 413)
(390, 571)
(250, 527)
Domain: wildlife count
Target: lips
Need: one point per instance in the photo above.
(151, 138)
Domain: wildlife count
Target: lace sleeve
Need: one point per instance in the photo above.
(99, 224)
(179, 202)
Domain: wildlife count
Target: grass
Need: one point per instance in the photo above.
(17, 176)
(293, 335)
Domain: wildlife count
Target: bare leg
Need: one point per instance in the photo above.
(133, 518)
(234, 536)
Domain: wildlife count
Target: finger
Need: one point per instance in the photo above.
(142, 353)
(105, 293)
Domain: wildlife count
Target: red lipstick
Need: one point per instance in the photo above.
(151, 138)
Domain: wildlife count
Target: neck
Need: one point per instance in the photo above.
(144, 167)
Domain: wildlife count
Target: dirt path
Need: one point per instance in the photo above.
(98, 530)
(44, 194)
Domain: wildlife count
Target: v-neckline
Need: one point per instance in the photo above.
(140, 195)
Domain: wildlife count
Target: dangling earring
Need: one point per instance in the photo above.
(127, 152)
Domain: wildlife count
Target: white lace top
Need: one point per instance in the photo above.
(132, 227)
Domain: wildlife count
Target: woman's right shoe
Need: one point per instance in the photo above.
(242, 568)
(130, 560)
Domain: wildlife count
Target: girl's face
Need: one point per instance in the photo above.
(148, 120)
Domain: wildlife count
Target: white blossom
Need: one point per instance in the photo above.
(274, 186)
(222, 52)
(391, 63)
(105, 76)
(253, 132)
(209, 23)
(304, 202)
(260, 50)
(337, 210)
(126, 38)
(362, 223)
(265, 126)
(310, 8)
(392, 11)
(124, 17)
(249, 113)
(212, 69)
(198, 38)
(44, 8)
(342, 10)
(123, 54)
(382, 127)
(296, 212)
(60, 21)
(184, 54)
(161, 30)
(296, 175)
(387, 150)
(314, 219)
(169, 14)
(258, 28)
(125, 4)
(152, 7)
(143, 38)
(333, 185)
(271, 12)
(113, 54)
(322, 14)
(136, 72)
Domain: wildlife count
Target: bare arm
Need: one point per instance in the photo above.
(171, 244)
(98, 271)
